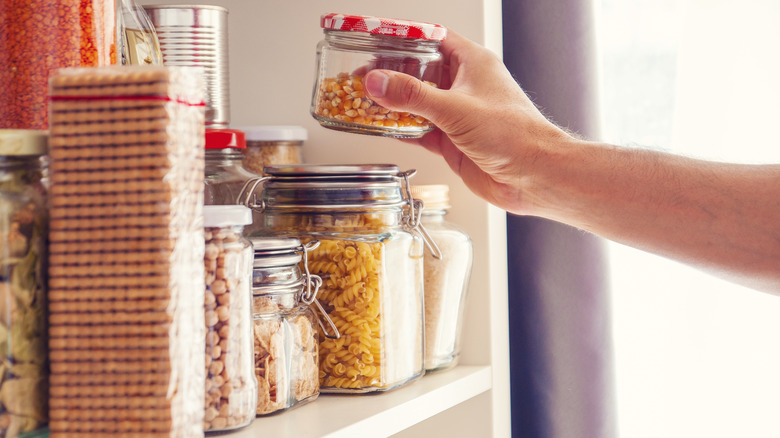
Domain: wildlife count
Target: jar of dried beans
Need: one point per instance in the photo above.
(231, 387)
(37, 37)
(353, 45)
(285, 325)
(446, 278)
(370, 261)
(24, 366)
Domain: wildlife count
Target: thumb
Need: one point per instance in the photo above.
(401, 92)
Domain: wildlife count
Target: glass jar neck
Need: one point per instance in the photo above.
(224, 157)
(13, 162)
(363, 40)
(433, 216)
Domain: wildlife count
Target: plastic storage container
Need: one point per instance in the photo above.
(24, 369)
(355, 44)
(225, 175)
(272, 145)
(446, 279)
(231, 387)
(370, 261)
(285, 326)
(37, 38)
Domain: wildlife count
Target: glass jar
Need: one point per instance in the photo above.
(446, 279)
(285, 326)
(138, 43)
(269, 145)
(370, 261)
(24, 374)
(225, 176)
(353, 45)
(37, 38)
(231, 387)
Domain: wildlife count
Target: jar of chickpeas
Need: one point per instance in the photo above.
(354, 44)
(370, 259)
(231, 386)
(284, 321)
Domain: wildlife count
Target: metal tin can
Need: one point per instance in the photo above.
(353, 45)
(196, 36)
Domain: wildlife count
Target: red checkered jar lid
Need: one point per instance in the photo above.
(384, 26)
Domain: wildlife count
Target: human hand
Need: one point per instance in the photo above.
(488, 130)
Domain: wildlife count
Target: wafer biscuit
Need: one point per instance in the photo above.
(103, 258)
(101, 304)
(109, 330)
(143, 379)
(108, 318)
(63, 114)
(127, 287)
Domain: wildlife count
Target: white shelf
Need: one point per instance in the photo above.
(374, 415)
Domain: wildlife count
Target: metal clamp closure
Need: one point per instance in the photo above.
(414, 218)
(310, 296)
(249, 197)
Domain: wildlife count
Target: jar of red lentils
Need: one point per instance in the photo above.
(353, 45)
(38, 37)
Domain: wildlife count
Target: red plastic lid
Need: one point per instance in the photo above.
(225, 138)
(384, 26)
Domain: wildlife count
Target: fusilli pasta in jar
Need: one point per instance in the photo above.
(370, 261)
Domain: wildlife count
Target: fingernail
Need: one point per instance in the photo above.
(376, 83)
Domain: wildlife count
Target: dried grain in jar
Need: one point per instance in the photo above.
(231, 387)
(272, 145)
(353, 45)
(446, 278)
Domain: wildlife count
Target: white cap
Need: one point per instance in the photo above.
(23, 142)
(275, 133)
(226, 215)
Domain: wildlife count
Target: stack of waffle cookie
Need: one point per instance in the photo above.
(126, 252)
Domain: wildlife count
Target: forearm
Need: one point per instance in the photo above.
(724, 218)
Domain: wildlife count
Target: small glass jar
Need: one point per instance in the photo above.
(353, 45)
(446, 279)
(225, 175)
(285, 325)
(271, 145)
(370, 261)
(24, 365)
(231, 387)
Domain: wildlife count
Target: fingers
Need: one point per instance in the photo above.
(401, 92)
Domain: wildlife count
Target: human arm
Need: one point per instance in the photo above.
(724, 218)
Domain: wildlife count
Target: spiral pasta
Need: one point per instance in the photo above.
(375, 307)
